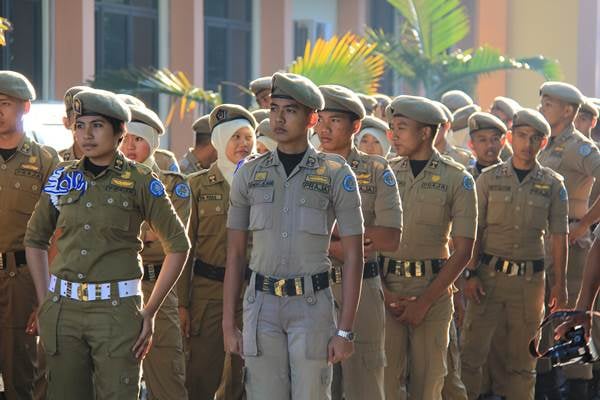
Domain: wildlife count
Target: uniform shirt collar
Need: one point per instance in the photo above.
(434, 162)
(24, 145)
(192, 159)
(565, 134)
(214, 175)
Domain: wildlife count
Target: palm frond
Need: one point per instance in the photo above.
(349, 61)
(5, 26)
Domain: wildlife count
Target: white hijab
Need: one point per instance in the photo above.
(377, 134)
(220, 137)
(149, 134)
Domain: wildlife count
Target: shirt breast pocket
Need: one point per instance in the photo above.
(498, 207)
(538, 208)
(432, 208)
(117, 212)
(313, 215)
(261, 209)
(212, 218)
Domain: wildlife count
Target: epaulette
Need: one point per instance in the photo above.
(333, 160)
(67, 164)
(450, 161)
(490, 167)
(553, 173)
(50, 150)
(141, 168)
(377, 161)
(173, 173)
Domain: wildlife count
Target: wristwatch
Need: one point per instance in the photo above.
(469, 273)
(347, 335)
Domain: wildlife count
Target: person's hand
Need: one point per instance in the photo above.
(577, 231)
(233, 342)
(558, 297)
(339, 349)
(582, 319)
(392, 302)
(414, 311)
(32, 324)
(336, 250)
(184, 321)
(474, 289)
(144, 340)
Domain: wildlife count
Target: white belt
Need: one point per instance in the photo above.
(93, 291)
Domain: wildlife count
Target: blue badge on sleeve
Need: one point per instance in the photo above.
(182, 190)
(563, 194)
(468, 183)
(389, 178)
(585, 149)
(156, 188)
(349, 183)
(174, 168)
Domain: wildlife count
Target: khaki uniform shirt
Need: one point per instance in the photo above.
(189, 163)
(441, 197)
(291, 217)
(577, 159)
(68, 154)
(22, 177)
(506, 152)
(100, 218)
(514, 216)
(461, 156)
(475, 173)
(166, 160)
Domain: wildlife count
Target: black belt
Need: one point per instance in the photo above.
(411, 269)
(573, 220)
(371, 270)
(151, 272)
(513, 268)
(20, 259)
(209, 271)
(290, 287)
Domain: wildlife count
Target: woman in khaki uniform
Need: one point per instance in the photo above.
(201, 303)
(92, 324)
(164, 365)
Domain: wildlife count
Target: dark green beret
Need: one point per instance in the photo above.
(562, 91)
(230, 112)
(374, 123)
(148, 117)
(261, 114)
(101, 102)
(16, 85)
(532, 118)
(446, 110)
(131, 100)
(368, 102)
(590, 108)
(455, 99)
(338, 98)
(69, 94)
(202, 125)
(481, 120)
(461, 116)
(297, 87)
(260, 84)
(507, 105)
(417, 108)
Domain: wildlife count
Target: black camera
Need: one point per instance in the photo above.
(572, 349)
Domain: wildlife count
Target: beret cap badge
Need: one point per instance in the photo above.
(77, 106)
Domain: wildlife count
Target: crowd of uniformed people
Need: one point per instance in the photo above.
(327, 245)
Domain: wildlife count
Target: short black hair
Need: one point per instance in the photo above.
(202, 139)
(117, 125)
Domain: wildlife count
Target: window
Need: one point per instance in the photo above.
(127, 36)
(228, 47)
(305, 30)
(383, 16)
(23, 50)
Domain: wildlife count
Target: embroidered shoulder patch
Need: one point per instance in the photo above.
(182, 190)
(156, 188)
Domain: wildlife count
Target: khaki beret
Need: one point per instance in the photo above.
(101, 102)
(264, 129)
(148, 117)
(131, 100)
(382, 99)
(446, 110)
(590, 108)
(532, 118)
(368, 102)
(202, 126)
(261, 114)
(374, 123)
(229, 112)
(297, 87)
(16, 85)
(338, 98)
(455, 99)
(260, 84)
(417, 108)
(562, 91)
(69, 94)
(507, 105)
(461, 116)
(481, 120)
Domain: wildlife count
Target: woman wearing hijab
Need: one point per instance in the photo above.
(372, 137)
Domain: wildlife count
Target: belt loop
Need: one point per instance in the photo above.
(114, 293)
(428, 268)
(309, 290)
(492, 265)
(528, 270)
(252, 287)
(11, 263)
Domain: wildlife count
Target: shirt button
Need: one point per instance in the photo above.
(34, 187)
(55, 298)
(93, 183)
(87, 227)
(284, 234)
(69, 200)
(217, 208)
(520, 189)
(518, 208)
(285, 209)
(201, 212)
(83, 252)
(114, 303)
(12, 274)
(530, 202)
(3, 166)
(287, 184)
(80, 275)
(110, 200)
(125, 204)
(88, 204)
(267, 197)
(302, 201)
(126, 380)
(516, 246)
(18, 184)
(517, 227)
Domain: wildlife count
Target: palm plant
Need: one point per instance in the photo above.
(5, 26)
(425, 54)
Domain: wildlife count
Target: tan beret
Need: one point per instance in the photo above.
(148, 117)
(507, 105)
(532, 118)
(589, 107)
(461, 116)
(455, 99)
(69, 94)
(16, 85)
(202, 125)
(229, 112)
(338, 98)
(261, 114)
(260, 84)
(264, 129)
(562, 91)
(417, 108)
(297, 87)
(101, 102)
(446, 110)
(382, 99)
(481, 120)
(374, 123)
(368, 102)
(131, 100)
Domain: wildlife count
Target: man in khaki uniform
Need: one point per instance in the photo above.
(261, 88)
(369, 103)
(461, 156)
(164, 365)
(438, 198)
(577, 159)
(362, 374)
(505, 108)
(587, 118)
(518, 200)
(201, 285)
(74, 152)
(203, 154)
(290, 199)
(24, 168)
(459, 136)
(455, 99)
(264, 137)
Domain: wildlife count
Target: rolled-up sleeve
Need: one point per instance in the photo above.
(346, 203)
(388, 206)
(42, 224)
(464, 208)
(238, 216)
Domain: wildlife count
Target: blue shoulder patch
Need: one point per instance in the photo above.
(563, 194)
(389, 178)
(585, 149)
(156, 188)
(174, 168)
(468, 182)
(182, 190)
(349, 183)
